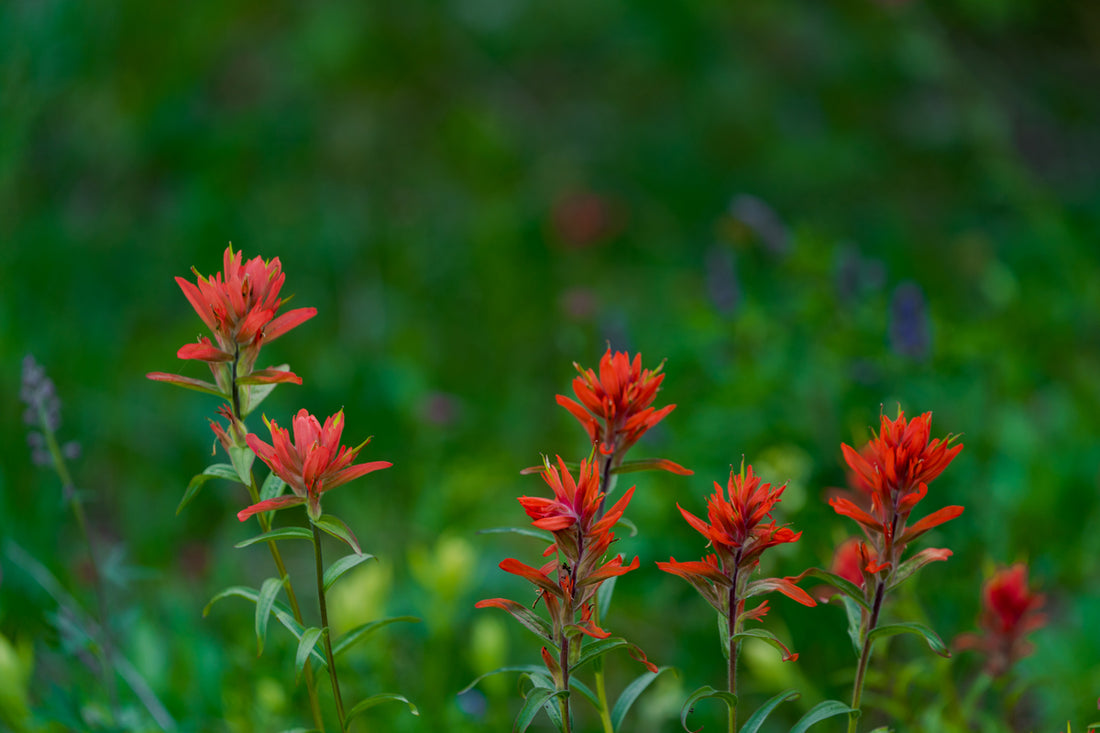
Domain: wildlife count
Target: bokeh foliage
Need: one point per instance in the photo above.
(811, 209)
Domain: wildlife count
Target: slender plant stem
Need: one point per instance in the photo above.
(68, 489)
(265, 526)
(325, 630)
(734, 604)
(865, 656)
(598, 671)
(563, 660)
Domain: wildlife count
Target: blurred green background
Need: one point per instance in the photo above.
(813, 210)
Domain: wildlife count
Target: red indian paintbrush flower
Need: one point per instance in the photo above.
(615, 407)
(239, 306)
(569, 582)
(739, 534)
(312, 464)
(1010, 611)
(894, 469)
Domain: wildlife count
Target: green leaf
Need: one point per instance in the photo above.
(242, 458)
(539, 534)
(530, 620)
(283, 533)
(264, 601)
(757, 719)
(217, 470)
(724, 636)
(361, 632)
(273, 486)
(341, 566)
(286, 618)
(650, 464)
(335, 526)
(189, 383)
(703, 693)
(630, 693)
(528, 668)
(535, 700)
(935, 643)
(822, 711)
(845, 586)
(765, 636)
(603, 595)
(543, 680)
(855, 623)
(305, 647)
(597, 649)
(254, 394)
(378, 699)
(630, 526)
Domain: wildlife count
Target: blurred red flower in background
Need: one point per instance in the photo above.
(1010, 611)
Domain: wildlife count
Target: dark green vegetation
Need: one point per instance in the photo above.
(476, 194)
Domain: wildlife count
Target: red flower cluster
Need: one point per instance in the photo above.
(582, 537)
(892, 471)
(616, 406)
(1010, 611)
(239, 307)
(739, 535)
(313, 464)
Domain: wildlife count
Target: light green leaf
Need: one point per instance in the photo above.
(305, 647)
(855, 623)
(242, 458)
(286, 618)
(217, 470)
(282, 533)
(528, 668)
(752, 725)
(603, 595)
(845, 586)
(597, 649)
(341, 566)
(822, 711)
(254, 394)
(378, 699)
(539, 534)
(704, 693)
(630, 693)
(767, 637)
(536, 699)
(935, 643)
(361, 632)
(335, 526)
(273, 486)
(264, 601)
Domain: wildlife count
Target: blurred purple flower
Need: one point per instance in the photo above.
(722, 285)
(754, 213)
(857, 275)
(909, 328)
(43, 413)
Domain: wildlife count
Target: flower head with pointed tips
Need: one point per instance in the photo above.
(1010, 611)
(240, 307)
(313, 463)
(616, 406)
(894, 469)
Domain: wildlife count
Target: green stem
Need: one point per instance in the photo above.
(601, 683)
(265, 526)
(69, 491)
(865, 656)
(325, 631)
(563, 660)
(734, 604)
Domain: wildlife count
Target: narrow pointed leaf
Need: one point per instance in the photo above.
(305, 647)
(652, 464)
(767, 637)
(543, 680)
(704, 693)
(752, 725)
(217, 470)
(935, 643)
(186, 382)
(361, 632)
(597, 649)
(530, 620)
(378, 699)
(630, 693)
(341, 566)
(282, 533)
(845, 586)
(273, 486)
(264, 601)
(256, 393)
(528, 668)
(915, 563)
(536, 699)
(603, 595)
(335, 526)
(630, 526)
(855, 623)
(822, 711)
(286, 618)
(540, 534)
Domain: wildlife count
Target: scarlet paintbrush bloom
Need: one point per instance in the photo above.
(894, 469)
(239, 306)
(311, 465)
(739, 534)
(1010, 611)
(615, 407)
(582, 537)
